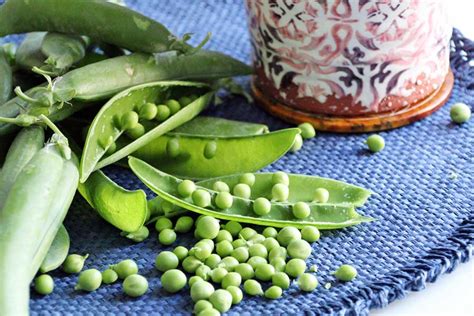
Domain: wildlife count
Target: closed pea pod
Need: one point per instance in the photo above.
(6, 78)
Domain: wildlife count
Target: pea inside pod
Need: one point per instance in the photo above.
(323, 216)
(121, 113)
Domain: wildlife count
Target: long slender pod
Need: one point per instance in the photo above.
(6, 78)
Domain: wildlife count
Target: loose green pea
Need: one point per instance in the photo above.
(247, 178)
(184, 224)
(232, 227)
(242, 190)
(297, 144)
(247, 233)
(236, 293)
(191, 263)
(220, 186)
(210, 149)
(167, 237)
(270, 243)
(262, 206)
(460, 113)
(203, 272)
(136, 132)
(264, 272)
(256, 239)
(184, 101)
(258, 250)
(241, 254)
(229, 263)
(221, 300)
(239, 243)
(279, 264)
(210, 312)
(299, 248)
(173, 105)
(280, 177)
(218, 274)
(167, 207)
(273, 292)
(270, 232)
(280, 192)
(186, 188)
(307, 130)
(201, 198)
(213, 260)
(255, 262)
(105, 143)
(162, 112)
(194, 279)
(109, 276)
(245, 270)
(201, 291)
(307, 282)
(125, 268)
(310, 233)
(232, 278)
(129, 120)
(135, 285)
(321, 195)
(295, 267)
(346, 273)
(89, 280)
(173, 280)
(203, 249)
(173, 148)
(44, 284)
(138, 236)
(287, 234)
(224, 200)
(224, 248)
(375, 143)
(277, 252)
(166, 260)
(163, 223)
(281, 279)
(301, 210)
(201, 306)
(253, 288)
(148, 111)
(207, 227)
(74, 263)
(224, 235)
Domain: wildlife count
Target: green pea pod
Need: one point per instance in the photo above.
(100, 81)
(24, 147)
(302, 188)
(229, 155)
(219, 127)
(58, 251)
(29, 221)
(6, 79)
(29, 54)
(124, 209)
(106, 127)
(63, 51)
(322, 216)
(100, 20)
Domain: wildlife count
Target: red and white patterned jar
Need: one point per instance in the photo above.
(349, 58)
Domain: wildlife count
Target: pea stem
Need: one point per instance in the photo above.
(51, 125)
(23, 96)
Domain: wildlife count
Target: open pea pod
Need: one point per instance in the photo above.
(198, 157)
(219, 127)
(124, 209)
(322, 216)
(302, 188)
(121, 114)
(58, 251)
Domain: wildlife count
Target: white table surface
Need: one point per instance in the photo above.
(452, 294)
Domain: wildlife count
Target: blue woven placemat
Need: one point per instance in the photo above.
(423, 178)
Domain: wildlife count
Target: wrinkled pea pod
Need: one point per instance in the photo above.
(302, 188)
(322, 216)
(120, 114)
(6, 77)
(202, 156)
(102, 21)
(58, 251)
(93, 82)
(33, 212)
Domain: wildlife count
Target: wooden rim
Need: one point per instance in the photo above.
(360, 124)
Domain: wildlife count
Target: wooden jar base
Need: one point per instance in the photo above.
(360, 124)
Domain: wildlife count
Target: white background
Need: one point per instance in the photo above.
(452, 294)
